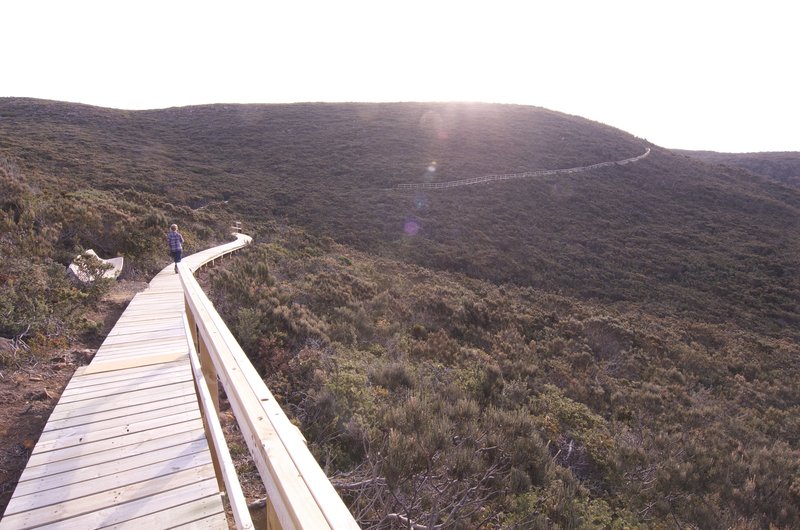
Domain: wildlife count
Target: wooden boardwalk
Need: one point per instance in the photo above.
(125, 446)
(513, 176)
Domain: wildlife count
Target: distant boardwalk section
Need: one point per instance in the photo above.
(511, 176)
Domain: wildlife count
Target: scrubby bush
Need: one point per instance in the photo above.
(535, 412)
(45, 221)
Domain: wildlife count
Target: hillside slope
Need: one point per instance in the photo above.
(456, 401)
(784, 167)
(707, 241)
(607, 349)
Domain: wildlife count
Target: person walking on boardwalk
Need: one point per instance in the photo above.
(175, 240)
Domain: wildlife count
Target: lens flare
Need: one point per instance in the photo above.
(430, 172)
(432, 123)
(411, 227)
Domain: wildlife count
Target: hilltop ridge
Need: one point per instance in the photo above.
(783, 166)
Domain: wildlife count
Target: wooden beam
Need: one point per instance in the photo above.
(301, 494)
(132, 362)
(223, 463)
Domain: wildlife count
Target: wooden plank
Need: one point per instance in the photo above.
(113, 364)
(136, 478)
(147, 345)
(144, 319)
(145, 356)
(174, 457)
(123, 373)
(158, 294)
(141, 347)
(134, 324)
(152, 447)
(127, 319)
(163, 310)
(161, 288)
(166, 283)
(132, 355)
(120, 425)
(120, 431)
(133, 327)
(132, 360)
(143, 334)
(199, 514)
(154, 298)
(120, 387)
(102, 402)
(56, 513)
(163, 280)
(91, 406)
(132, 412)
(139, 324)
(140, 509)
(42, 455)
(154, 301)
(82, 381)
(80, 410)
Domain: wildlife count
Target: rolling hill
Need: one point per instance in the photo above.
(709, 240)
(781, 166)
(598, 349)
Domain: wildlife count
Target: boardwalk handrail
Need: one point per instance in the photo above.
(299, 494)
(223, 461)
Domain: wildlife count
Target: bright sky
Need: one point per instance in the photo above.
(697, 74)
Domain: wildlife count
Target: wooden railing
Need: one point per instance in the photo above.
(299, 494)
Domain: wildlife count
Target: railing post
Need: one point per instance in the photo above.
(207, 428)
(272, 518)
(210, 374)
(211, 384)
(192, 323)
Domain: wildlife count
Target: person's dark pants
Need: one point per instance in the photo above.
(176, 255)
